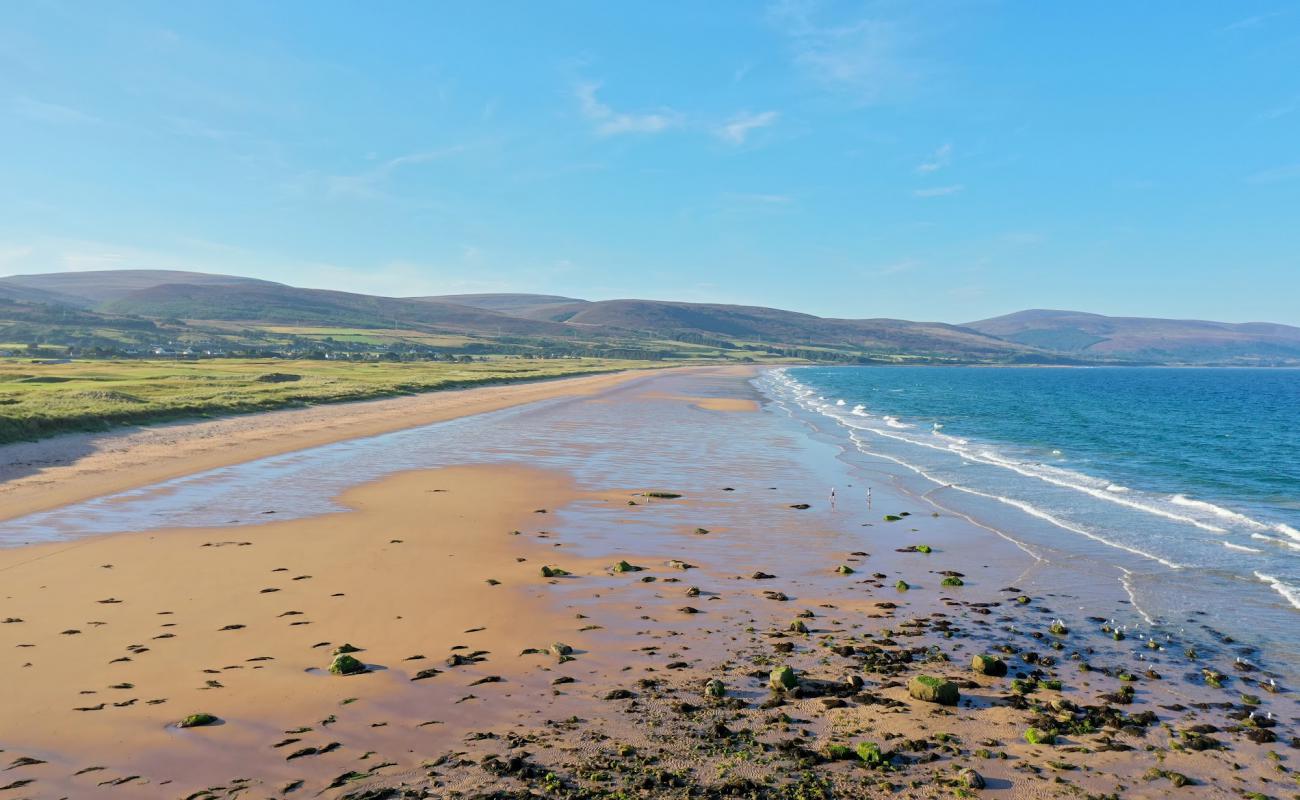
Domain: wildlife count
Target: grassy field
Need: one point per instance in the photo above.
(39, 400)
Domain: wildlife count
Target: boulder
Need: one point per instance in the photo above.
(933, 690)
(989, 665)
(970, 779)
(344, 664)
(783, 678)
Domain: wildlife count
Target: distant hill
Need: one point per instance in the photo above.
(513, 304)
(141, 308)
(1149, 339)
(93, 288)
(273, 303)
(759, 324)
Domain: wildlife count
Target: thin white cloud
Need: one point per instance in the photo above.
(1250, 22)
(1023, 238)
(608, 122)
(1281, 110)
(737, 129)
(367, 184)
(941, 158)
(1288, 172)
(938, 191)
(764, 199)
(894, 268)
(862, 55)
(51, 112)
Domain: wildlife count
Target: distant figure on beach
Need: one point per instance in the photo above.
(832, 498)
(868, 498)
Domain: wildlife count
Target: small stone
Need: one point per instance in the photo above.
(715, 688)
(198, 721)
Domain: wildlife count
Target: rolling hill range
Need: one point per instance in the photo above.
(1147, 339)
(286, 305)
(113, 311)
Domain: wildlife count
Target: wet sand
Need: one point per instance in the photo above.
(730, 580)
(35, 476)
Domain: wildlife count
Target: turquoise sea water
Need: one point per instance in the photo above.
(1187, 480)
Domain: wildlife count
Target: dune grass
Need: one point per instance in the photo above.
(40, 400)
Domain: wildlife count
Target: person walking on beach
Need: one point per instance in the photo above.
(868, 498)
(832, 498)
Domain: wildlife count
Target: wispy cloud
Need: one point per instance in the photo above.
(938, 191)
(941, 158)
(367, 184)
(737, 129)
(763, 199)
(608, 122)
(1250, 22)
(1287, 172)
(1281, 110)
(862, 55)
(51, 112)
(1023, 238)
(893, 268)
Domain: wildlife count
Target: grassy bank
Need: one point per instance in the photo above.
(40, 400)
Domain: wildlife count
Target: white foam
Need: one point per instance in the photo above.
(1291, 593)
(1218, 511)
(1275, 540)
(1125, 580)
(1241, 548)
(1282, 527)
(894, 423)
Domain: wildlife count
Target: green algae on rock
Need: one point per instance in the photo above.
(933, 690)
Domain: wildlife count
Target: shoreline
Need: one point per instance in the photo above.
(440, 569)
(49, 473)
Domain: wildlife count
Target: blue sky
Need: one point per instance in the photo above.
(930, 160)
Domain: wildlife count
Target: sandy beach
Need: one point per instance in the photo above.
(599, 597)
(64, 469)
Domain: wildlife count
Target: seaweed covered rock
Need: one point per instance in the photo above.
(715, 688)
(1040, 736)
(871, 754)
(783, 678)
(989, 665)
(198, 721)
(344, 664)
(970, 779)
(933, 690)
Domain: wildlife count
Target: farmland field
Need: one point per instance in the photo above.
(39, 400)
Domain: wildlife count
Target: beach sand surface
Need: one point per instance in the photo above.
(694, 543)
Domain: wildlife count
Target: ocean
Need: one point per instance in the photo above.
(1183, 483)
